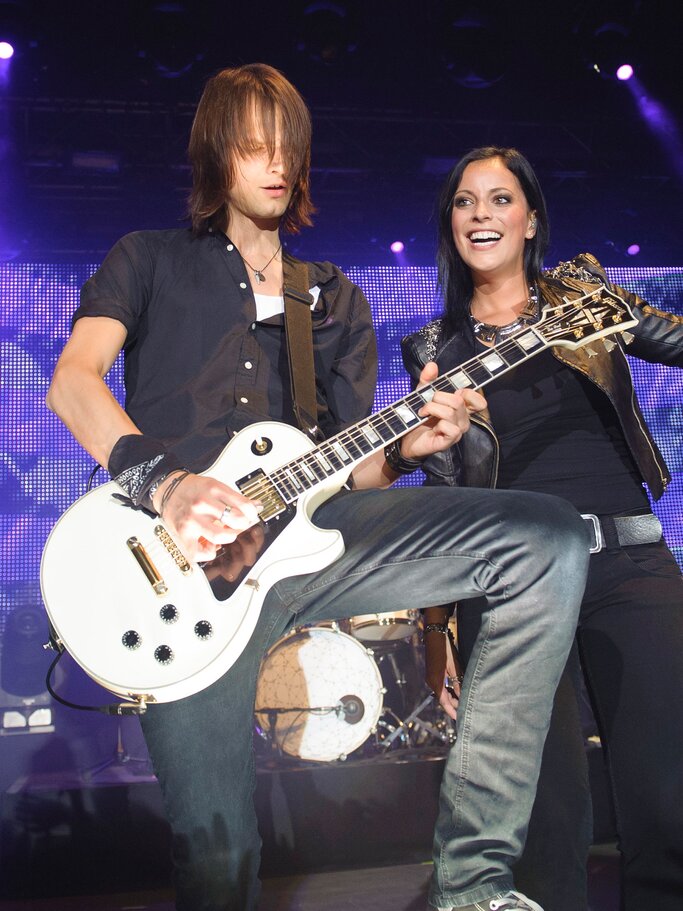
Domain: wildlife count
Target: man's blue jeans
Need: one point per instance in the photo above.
(405, 548)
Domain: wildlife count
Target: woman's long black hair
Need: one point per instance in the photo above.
(455, 278)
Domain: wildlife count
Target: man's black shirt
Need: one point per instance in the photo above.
(197, 364)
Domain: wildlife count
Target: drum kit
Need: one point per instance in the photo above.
(351, 688)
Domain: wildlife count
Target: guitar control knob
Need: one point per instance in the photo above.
(163, 654)
(169, 613)
(131, 639)
(203, 629)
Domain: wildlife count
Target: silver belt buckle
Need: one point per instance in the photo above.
(598, 541)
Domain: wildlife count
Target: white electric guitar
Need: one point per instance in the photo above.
(152, 627)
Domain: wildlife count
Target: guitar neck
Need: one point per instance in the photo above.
(349, 447)
(594, 315)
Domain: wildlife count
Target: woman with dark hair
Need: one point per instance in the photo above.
(567, 422)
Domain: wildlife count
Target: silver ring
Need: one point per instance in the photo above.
(224, 515)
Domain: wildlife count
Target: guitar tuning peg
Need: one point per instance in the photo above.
(627, 337)
(609, 344)
(591, 352)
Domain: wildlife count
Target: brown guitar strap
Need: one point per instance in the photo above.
(299, 335)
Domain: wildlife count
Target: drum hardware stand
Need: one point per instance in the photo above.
(413, 721)
(398, 732)
(398, 676)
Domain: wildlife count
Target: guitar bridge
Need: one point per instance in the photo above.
(258, 486)
(178, 557)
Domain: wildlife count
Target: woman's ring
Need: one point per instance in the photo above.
(224, 515)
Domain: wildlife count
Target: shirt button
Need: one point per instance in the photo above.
(244, 400)
(253, 325)
(230, 247)
(242, 285)
(248, 365)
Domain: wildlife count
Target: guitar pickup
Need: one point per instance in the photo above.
(258, 486)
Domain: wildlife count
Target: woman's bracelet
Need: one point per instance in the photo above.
(436, 628)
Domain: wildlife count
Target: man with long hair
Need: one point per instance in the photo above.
(199, 315)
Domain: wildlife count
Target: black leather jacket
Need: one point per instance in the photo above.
(658, 338)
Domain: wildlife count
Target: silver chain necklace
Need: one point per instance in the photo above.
(491, 335)
(258, 273)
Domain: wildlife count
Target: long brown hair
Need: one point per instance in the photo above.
(223, 129)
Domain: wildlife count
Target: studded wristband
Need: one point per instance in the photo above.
(399, 463)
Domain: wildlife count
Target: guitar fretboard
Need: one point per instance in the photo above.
(347, 448)
(594, 315)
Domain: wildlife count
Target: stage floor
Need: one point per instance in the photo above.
(390, 888)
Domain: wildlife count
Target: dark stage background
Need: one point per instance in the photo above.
(95, 111)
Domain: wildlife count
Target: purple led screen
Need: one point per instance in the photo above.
(42, 471)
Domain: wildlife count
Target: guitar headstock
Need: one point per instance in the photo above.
(574, 323)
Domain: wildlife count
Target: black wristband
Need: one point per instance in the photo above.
(138, 464)
(398, 462)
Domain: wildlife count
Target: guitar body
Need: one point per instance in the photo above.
(167, 645)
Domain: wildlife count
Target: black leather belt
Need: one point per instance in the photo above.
(612, 532)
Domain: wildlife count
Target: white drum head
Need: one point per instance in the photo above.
(324, 693)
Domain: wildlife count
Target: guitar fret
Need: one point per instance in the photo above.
(311, 463)
(406, 414)
(299, 471)
(311, 477)
(529, 340)
(353, 448)
(286, 489)
(293, 478)
(395, 422)
(332, 456)
(479, 373)
(493, 362)
(370, 433)
(341, 452)
(382, 427)
(362, 442)
(319, 456)
(460, 379)
(514, 353)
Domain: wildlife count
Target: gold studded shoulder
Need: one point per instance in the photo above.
(577, 269)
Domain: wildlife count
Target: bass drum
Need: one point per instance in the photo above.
(319, 694)
(385, 627)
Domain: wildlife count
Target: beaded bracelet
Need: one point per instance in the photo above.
(436, 628)
(172, 487)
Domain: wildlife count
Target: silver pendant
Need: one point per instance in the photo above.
(259, 276)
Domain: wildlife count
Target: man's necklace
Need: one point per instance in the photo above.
(491, 335)
(258, 273)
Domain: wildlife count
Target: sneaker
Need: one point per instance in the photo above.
(504, 901)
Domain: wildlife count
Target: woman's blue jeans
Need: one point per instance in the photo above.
(526, 553)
